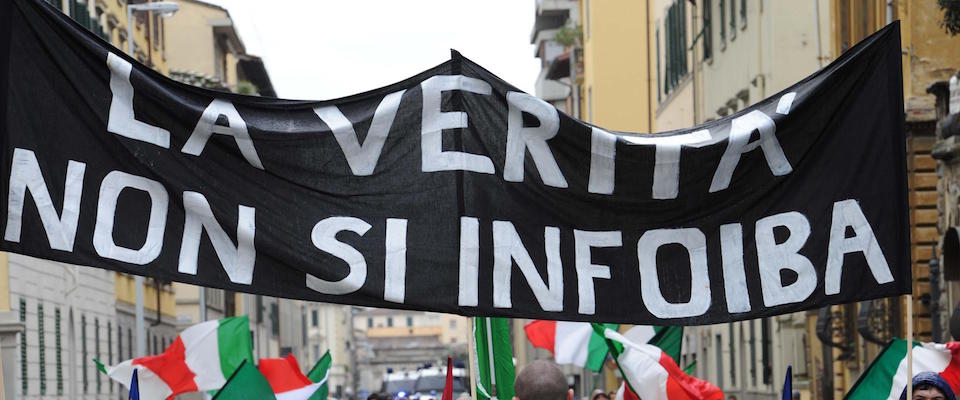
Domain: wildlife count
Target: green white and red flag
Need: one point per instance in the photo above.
(573, 343)
(887, 376)
(649, 373)
(286, 380)
(200, 359)
(319, 374)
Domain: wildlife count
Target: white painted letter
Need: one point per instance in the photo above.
(734, 276)
(25, 175)
(324, 237)
(395, 261)
(362, 158)
(666, 171)
(520, 139)
(847, 213)
(508, 248)
(772, 257)
(587, 271)
(236, 127)
(121, 119)
(434, 121)
(603, 154)
(739, 144)
(696, 244)
(237, 261)
(469, 261)
(110, 189)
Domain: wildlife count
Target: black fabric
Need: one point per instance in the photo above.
(843, 138)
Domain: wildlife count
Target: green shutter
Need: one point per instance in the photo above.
(682, 25)
(59, 350)
(24, 382)
(96, 347)
(110, 352)
(83, 352)
(42, 345)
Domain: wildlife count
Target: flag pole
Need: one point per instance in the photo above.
(909, 346)
(472, 356)
(493, 371)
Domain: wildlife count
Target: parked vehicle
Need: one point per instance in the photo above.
(430, 383)
(399, 385)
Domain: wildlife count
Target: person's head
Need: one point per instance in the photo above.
(599, 395)
(929, 386)
(542, 380)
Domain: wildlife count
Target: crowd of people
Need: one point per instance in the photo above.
(543, 380)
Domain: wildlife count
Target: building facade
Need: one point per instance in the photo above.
(55, 317)
(739, 52)
(399, 340)
(616, 89)
(327, 328)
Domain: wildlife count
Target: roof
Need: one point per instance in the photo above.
(252, 69)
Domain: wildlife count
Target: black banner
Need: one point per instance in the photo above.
(453, 191)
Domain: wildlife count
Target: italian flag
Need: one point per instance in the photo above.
(285, 378)
(572, 343)
(887, 376)
(200, 359)
(650, 374)
(319, 374)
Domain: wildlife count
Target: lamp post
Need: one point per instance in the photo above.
(166, 8)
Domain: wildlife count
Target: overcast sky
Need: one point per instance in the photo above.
(324, 49)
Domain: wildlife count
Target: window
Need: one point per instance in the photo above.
(83, 351)
(389, 321)
(707, 30)
(58, 350)
(719, 355)
(40, 343)
(723, 24)
(733, 355)
(453, 324)
(858, 19)
(129, 343)
(119, 342)
(409, 321)
(110, 352)
(274, 318)
(24, 380)
(733, 19)
(314, 318)
(369, 322)
(676, 43)
(657, 41)
(753, 354)
(743, 14)
(766, 357)
(96, 348)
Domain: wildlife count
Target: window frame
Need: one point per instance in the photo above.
(723, 24)
(707, 23)
(733, 20)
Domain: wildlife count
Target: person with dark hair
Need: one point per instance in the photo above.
(929, 386)
(541, 380)
(600, 395)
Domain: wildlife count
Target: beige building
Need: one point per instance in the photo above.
(616, 84)
(327, 328)
(717, 57)
(399, 340)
